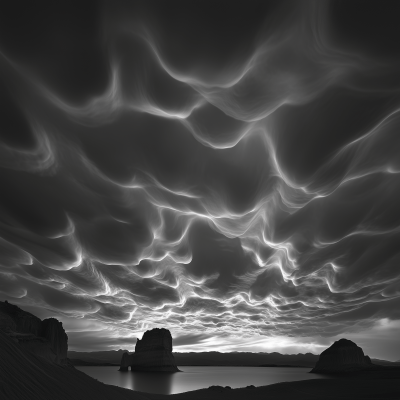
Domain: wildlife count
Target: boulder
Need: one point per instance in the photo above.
(343, 356)
(153, 353)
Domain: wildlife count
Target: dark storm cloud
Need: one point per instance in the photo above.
(211, 168)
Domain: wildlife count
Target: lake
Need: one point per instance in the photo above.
(192, 378)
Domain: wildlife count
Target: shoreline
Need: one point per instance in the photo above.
(373, 384)
(89, 364)
(310, 389)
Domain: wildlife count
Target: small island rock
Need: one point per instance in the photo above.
(152, 354)
(343, 356)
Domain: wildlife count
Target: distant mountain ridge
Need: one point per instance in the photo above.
(214, 358)
(245, 359)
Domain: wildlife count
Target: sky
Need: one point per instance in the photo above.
(227, 170)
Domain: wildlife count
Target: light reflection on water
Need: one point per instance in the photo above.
(192, 378)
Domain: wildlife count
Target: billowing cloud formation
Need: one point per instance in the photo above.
(214, 169)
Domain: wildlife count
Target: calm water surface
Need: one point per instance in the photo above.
(192, 378)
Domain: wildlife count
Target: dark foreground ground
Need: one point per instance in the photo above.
(301, 390)
(24, 376)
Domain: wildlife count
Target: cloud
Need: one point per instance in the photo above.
(236, 180)
(190, 339)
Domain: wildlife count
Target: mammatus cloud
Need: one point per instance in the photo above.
(225, 178)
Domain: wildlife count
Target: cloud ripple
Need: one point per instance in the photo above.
(210, 186)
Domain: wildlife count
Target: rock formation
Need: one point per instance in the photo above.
(125, 361)
(25, 376)
(15, 319)
(54, 332)
(153, 353)
(46, 338)
(343, 356)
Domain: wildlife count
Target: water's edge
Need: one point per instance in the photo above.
(197, 377)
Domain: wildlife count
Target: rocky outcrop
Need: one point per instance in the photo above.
(24, 376)
(152, 354)
(46, 339)
(125, 361)
(156, 339)
(22, 321)
(343, 356)
(53, 331)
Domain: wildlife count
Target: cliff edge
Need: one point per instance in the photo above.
(46, 339)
